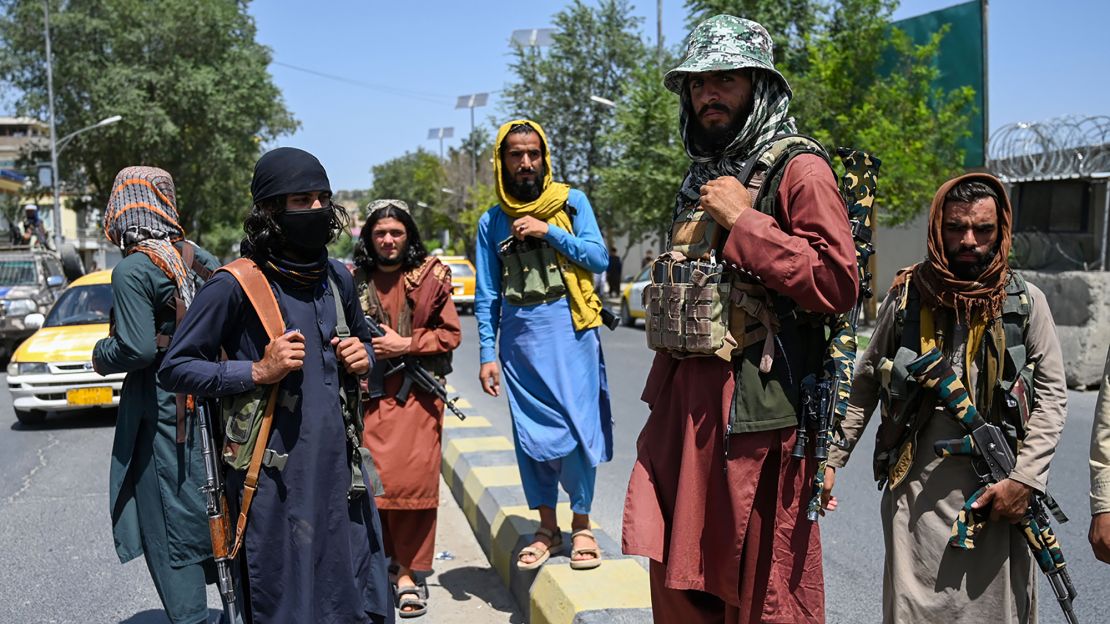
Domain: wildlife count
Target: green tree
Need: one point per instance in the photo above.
(859, 82)
(594, 52)
(639, 188)
(187, 76)
(417, 178)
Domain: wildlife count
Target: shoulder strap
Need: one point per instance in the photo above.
(341, 328)
(259, 293)
(1015, 320)
(257, 289)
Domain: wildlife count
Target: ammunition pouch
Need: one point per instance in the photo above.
(241, 418)
(530, 272)
(687, 306)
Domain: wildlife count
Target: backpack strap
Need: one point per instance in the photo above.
(258, 291)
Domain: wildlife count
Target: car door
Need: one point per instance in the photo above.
(636, 296)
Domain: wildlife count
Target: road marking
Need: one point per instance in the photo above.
(471, 422)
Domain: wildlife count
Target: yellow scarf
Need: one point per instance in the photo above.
(585, 305)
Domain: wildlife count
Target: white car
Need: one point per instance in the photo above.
(52, 370)
(632, 297)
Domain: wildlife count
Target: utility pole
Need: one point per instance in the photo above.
(659, 32)
(54, 182)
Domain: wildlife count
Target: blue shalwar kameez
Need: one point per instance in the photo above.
(311, 554)
(554, 376)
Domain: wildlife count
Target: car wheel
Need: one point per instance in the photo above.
(626, 316)
(30, 417)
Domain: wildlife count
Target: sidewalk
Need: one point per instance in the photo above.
(465, 589)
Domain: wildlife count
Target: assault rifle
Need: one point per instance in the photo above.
(218, 523)
(414, 373)
(993, 460)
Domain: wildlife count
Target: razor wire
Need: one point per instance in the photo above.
(1066, 147)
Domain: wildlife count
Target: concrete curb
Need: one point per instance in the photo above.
(479, 466)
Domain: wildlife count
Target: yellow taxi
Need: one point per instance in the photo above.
(52, 370)
(462, 282)
(632, 297)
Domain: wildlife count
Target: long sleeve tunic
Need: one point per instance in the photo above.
(732, 524)
(925, 580)
(312, 555)
(1100, 447)
(554, 375)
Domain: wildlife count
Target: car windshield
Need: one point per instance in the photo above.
(460, 269)
(17, 271)
(82, 305)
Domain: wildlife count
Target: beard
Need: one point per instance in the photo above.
(524, 190)
(714, 140)
(969, 271)
(382, 261)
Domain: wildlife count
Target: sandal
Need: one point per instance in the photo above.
(541, 556)
(412, 597)
(585, 564)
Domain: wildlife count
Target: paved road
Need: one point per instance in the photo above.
(853, 536)
(58, 560)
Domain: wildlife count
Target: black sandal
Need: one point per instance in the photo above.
(413, 597)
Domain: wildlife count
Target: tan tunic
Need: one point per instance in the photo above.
(924, 579)
(1100, 447)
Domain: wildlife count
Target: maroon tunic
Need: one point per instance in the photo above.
(740, 534)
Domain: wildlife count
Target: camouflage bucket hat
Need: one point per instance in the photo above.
(384, 203)
(721, 43)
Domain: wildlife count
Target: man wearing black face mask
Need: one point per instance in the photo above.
(312, 549)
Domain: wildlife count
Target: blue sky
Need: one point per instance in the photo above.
(1046, 59)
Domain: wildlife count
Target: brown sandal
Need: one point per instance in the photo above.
(555, 538)
(585, 564)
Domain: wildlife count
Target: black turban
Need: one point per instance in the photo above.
(285, 171)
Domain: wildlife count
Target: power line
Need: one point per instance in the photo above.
(434, 98)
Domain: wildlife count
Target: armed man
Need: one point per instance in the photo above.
(407, 292)
(157, 507)
(537, 251)
(963, 346)
(1099, 534)
(278, 335)
(760, 250)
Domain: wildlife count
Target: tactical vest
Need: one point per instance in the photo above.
(1007, 404)
(438, 364)
(771, 342)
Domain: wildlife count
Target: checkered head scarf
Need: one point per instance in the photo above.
(142, 217)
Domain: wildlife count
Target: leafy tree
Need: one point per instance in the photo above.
(859, 82)
(187, 76)
(594, 52)
(639, 188)
(417, 178)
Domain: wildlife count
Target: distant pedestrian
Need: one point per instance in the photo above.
(549, 343)
(156, 503)
(613, 273)
(408, 292)
(647, 259)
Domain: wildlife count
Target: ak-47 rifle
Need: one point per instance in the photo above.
(993, 460)
(825, 395)
(414, 373)
(218, 520)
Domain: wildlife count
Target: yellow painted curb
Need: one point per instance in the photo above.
(559, 593)
(458, 446)
(511, 523)
(481, 478)
(472, 422)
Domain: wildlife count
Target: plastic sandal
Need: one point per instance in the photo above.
(541, 556)
(585, 564)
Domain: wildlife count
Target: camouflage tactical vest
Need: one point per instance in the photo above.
(771, 343)
(1007, 403)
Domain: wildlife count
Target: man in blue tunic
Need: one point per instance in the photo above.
(313, 546)
(549, 344)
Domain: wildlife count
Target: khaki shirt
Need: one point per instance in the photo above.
(1100, 447)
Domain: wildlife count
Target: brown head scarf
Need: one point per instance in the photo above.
(936, 283)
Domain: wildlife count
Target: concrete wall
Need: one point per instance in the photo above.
(1081, 310)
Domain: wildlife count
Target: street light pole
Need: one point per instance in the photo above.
(58, 239)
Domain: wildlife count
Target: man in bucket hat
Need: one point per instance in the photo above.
(715, 499)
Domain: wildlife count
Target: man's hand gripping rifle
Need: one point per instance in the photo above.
(993, 460)
(414, 374)
(218, 521)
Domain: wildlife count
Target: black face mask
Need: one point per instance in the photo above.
(306, 231)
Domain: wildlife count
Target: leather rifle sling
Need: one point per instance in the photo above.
(258, 291)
